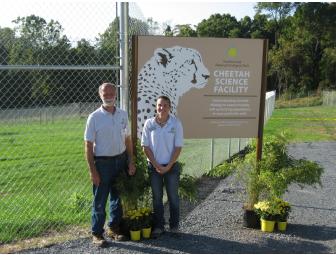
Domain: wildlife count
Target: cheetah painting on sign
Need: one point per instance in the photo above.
(170, 72)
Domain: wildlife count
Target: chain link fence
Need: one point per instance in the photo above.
(50, 70)
(49, 77)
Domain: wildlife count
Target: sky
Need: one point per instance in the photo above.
(87, 18)
(194, 12)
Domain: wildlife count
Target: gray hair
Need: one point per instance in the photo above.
(106, 84)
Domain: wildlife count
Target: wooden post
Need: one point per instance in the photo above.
(262, 102)
(134, 93)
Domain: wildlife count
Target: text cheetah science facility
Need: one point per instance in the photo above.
(217, 86)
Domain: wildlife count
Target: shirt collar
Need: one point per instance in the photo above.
(170, 119)
(106, 112)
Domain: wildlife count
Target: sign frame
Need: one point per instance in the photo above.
(261, 104)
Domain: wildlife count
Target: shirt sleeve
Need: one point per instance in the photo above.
(179, 134)
(90, 134)
(145, 134)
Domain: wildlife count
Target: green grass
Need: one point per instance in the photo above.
(196, 153)
(304, 124)
(44, 181)
(41, 167)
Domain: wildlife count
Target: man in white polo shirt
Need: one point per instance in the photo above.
(162, 141)
(108, 151)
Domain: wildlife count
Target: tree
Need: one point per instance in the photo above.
(168, 31)
(7, 39)
(38, 31)
(328, 69)
(306, 48)
(217, 26)
(317, 23)
(108, 42)
(245, 25)
(261, 28)
(36, 42)
(84, 53)
(277, 12)
(184, 30)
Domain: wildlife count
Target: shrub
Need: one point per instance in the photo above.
(135, 191)
(187, 186)
(271, 176)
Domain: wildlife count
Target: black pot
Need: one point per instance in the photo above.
(251, 219)
(124, 228)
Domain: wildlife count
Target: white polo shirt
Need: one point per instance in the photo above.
(162, 140)
(107, 131)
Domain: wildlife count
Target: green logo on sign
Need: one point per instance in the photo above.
(232, 52)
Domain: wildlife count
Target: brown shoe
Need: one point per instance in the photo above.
(115, 234)
(99, 241)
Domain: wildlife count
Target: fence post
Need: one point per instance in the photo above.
(124, 56)
(212, 153)
(229, 148)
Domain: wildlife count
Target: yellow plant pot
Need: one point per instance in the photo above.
(267, 225)
(135, 235)
(146, 232)
(282, 225)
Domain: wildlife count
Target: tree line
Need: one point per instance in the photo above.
(34, 41)
(302, 53)
(302, 40)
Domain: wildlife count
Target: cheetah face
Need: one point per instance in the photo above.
(171, 72)
(181, 68)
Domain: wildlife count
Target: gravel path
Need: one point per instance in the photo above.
(214, 224)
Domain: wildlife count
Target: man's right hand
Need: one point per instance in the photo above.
(95, 178)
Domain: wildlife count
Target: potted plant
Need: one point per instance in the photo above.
(146, 221)
(271, 176)
(284, 209)
(246, 170)
(248, 175)
(134, 223)
(268, 212)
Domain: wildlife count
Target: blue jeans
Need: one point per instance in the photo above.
(109, 170)
(171, 182)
